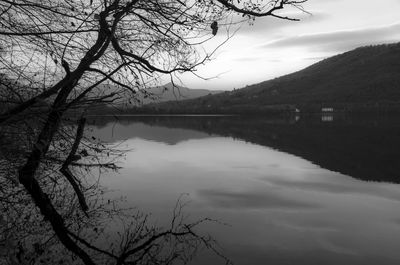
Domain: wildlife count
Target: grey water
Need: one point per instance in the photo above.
(292, 190)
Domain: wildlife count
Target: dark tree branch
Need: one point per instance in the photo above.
(277, 5)
(5, 33)
(109, 77)
(90, 246)
(72, 157)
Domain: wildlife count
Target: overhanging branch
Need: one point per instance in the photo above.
(72, 157)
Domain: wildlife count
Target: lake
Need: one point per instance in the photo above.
(292, 190)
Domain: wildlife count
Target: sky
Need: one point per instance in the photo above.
(271, 47)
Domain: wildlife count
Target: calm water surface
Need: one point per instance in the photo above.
(293, 191)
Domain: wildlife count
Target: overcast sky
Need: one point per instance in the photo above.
(272, 47)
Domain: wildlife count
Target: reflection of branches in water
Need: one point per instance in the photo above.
(26, 234)
(144, 244)
(135, 242)
(104, 230)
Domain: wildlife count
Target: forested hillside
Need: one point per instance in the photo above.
(367, 77)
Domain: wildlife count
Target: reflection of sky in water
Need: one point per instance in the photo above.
(281, 209)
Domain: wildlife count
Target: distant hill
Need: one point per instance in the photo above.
(169, 92)
(151, 96)
(367, 77)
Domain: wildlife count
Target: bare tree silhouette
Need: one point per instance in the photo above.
(58, 58)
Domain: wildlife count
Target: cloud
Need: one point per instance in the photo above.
(317, 58)
(247, 59)
(338, 188)
(256, 59)
(340, 40)
(253, 200)
(266, 25)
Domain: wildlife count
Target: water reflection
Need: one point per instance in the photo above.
(281, 206)
(327, 118)
(362, 147)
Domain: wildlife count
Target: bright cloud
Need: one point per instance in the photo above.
(273, 47)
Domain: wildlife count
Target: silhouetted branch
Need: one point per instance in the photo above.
(273, 6)
(72, 157)
(51, 51)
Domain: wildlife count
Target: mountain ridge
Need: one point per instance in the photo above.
(365, 77)
(173, 92)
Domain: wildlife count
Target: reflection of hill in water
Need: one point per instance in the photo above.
(112, 129)
(366, 149)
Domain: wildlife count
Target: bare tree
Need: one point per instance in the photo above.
(58, 56)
